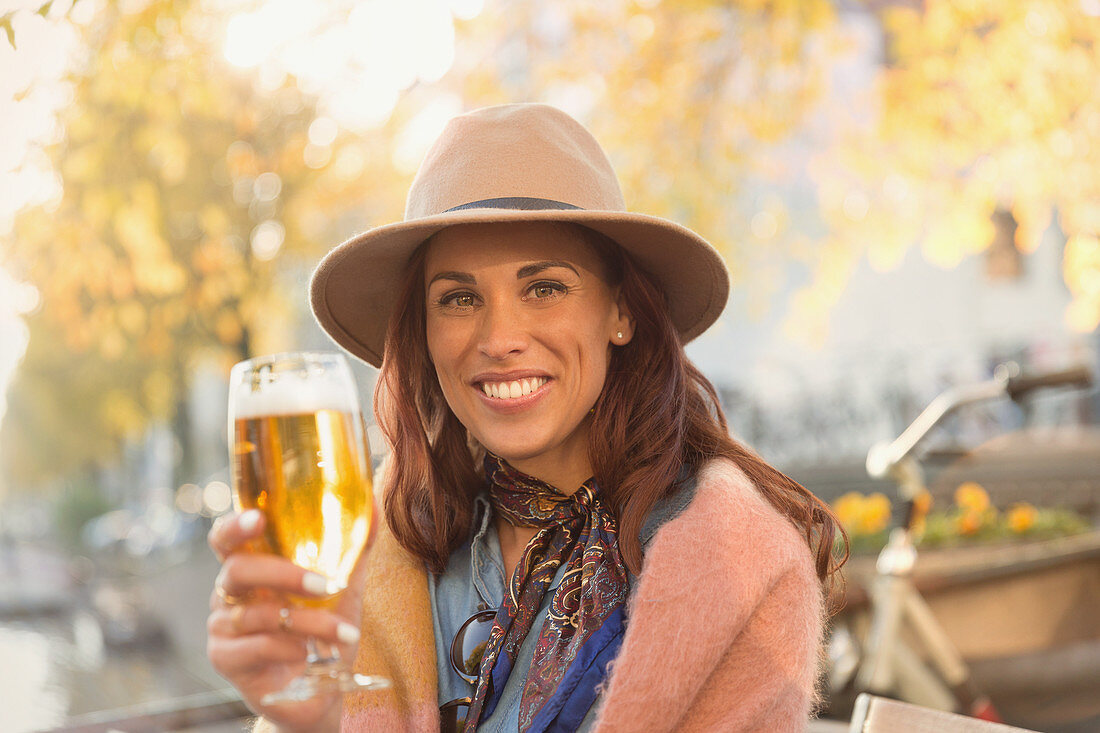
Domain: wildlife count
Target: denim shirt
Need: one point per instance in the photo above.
(475, 575)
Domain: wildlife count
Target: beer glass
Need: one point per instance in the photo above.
(298, 453)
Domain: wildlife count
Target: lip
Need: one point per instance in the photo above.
(512, 376)
(514, 404)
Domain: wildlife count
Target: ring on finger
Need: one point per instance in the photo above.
(284, 619)
(228, 598)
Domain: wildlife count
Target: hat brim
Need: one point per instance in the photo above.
(356, 285)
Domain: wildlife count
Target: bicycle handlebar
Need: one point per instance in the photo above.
(1007, 380)
(1020, 385)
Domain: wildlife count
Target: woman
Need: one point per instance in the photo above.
(556, 460)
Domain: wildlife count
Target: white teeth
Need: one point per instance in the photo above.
(511, 390)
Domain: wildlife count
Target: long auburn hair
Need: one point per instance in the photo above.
(656, 414)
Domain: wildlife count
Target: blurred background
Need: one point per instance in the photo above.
(907, 193)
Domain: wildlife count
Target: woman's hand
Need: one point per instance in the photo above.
(257, 639)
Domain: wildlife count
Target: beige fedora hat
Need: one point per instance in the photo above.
(514, 162)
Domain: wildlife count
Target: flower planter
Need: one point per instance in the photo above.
(1025, 616)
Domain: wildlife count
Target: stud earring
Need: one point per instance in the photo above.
(620, 335)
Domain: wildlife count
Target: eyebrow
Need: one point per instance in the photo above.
(537, 267)
(526, 271)
(462, 277)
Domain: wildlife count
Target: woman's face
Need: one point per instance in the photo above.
(520, 327)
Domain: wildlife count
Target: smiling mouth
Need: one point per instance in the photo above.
(514, 389)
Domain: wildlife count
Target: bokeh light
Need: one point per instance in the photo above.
(189, 499)
(216, 498)
(357, 57)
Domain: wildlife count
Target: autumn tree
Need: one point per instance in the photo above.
(194, 201)
(197, 195)
(982, 129)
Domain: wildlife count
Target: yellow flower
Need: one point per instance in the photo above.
(849, 508)
(1021, 517)
(971, 497)
(968, 523)
(875, 515)
(863, 515)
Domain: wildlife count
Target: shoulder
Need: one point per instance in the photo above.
(742, 576)
(730, 533)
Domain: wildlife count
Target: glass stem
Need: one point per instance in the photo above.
(318, 655)
(313, 652)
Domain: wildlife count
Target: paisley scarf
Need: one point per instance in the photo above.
(583, 628)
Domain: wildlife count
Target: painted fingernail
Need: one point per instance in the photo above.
(347, 633)
(317, 584)
(249, 520)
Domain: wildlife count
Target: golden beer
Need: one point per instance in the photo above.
(307, 473)
(298, 453)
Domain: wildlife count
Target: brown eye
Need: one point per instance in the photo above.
(544, 290)
(460, 300)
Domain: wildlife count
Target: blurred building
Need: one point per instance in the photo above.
(895, 340)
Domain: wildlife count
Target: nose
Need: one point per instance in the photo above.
(502, 333)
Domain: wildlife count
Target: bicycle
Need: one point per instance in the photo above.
(930, 672)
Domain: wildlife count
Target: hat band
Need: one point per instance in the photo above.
(523, 203)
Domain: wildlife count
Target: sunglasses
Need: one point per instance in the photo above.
(467, 649)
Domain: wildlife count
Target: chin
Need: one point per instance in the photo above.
(522, 444)
(519, 443)
(510, 451)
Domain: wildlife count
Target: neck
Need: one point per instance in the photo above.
(567, 479)
(564, 466)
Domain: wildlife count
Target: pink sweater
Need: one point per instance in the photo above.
(723, 633)
(724, 629)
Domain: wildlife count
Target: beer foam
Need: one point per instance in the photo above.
(294, 395)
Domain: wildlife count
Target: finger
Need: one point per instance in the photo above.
(244, 573)
(272, 618)
(228, 622)
(233, 655)
(230, 531)
(220, 599)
